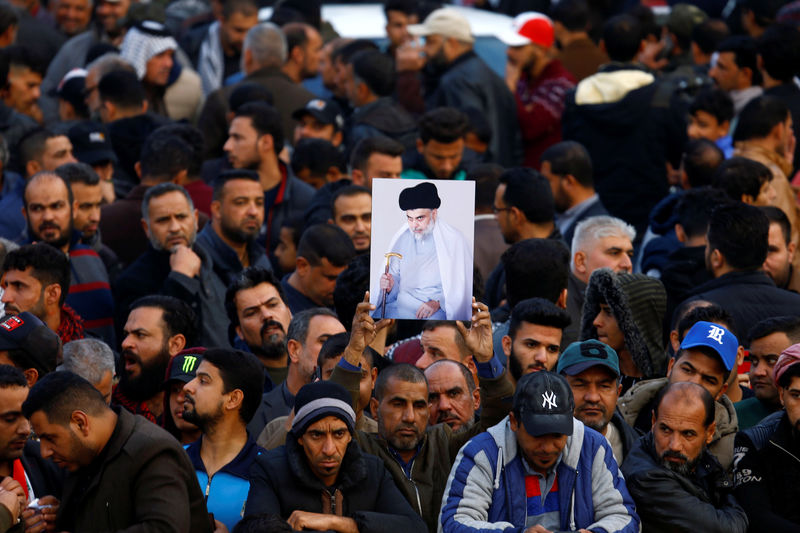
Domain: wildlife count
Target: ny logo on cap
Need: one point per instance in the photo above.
(12, 323)
(716, 333)
(188, 363)
(549, 400)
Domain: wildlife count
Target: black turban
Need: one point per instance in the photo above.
(423, 196)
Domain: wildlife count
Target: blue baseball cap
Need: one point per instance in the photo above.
(582, 355)
(716, 337)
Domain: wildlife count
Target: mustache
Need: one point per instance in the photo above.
(48, 225)
(128, 353)
(674, 455)
(270, 324)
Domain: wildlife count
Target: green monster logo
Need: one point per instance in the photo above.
(188, 364)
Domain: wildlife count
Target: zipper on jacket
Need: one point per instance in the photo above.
(784, 449)
(416, 491)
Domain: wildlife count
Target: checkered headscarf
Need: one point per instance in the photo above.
(144, 41)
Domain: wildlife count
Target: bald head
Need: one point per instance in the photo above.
(687, 395)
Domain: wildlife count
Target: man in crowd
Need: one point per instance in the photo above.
(256, 308)
(440, 147)
(307, 332)
(87, 192)
(538, 80)
(254, 141)
(215, 49)
(323, 253)
(36, 280)
(533, 342)
(592, 370)
(626, 311)
(706, 361)
(736, 250)
(764, 471)
(351, 210)
(48, 207)
(736, 70)
(453, 397)
(568, 168)
(436, 262)
(28, 344)
(44, 150)
(767, 340)
(174, 265)
(319, 119)
(107, 446)
(221, 400)
(442, 339)
(550, 446)
(321, 450)
(779, 264)
(377, 157)
(670, 470)
(92, 360)
(156, 329)
(449, 52)
(237, 214)
(19, 453)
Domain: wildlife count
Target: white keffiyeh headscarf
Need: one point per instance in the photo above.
(144, 41)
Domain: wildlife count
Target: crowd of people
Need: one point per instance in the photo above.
(188, 342)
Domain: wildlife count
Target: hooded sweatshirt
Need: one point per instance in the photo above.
(638, 303)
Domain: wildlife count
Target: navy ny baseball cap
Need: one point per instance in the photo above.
(713, 336)
(543, 403)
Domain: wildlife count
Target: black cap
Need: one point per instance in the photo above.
(319, 399)
(27, 333)
(423, 196)
(543, 403)
(325, 111)
(90, 143)
(183, 366)
(71, 89)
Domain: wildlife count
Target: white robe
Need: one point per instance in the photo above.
(438, 267)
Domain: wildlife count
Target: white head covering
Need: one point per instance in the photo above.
(144, 41)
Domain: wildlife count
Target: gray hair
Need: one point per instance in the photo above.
(267, 45)
(109, 62)
(89, 358)
(298, 327)
(599, 227)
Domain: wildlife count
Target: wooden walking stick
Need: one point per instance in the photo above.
(388, 257)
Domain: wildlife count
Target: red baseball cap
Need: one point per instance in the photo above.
(527, 28)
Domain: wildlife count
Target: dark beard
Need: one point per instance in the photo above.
(147, 384)
(59, 243)
(236, 235)
(684, 469)
(272, 347)
(204, 422)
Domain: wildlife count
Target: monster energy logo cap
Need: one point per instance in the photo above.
(184, 365)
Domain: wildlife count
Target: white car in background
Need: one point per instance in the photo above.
(367, 21)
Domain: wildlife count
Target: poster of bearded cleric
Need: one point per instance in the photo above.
(421, 254)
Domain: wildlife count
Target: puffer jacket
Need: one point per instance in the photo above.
(482, 491)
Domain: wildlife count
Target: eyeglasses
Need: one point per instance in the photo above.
(496, 209)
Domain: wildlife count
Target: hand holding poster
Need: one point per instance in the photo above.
(422, 249)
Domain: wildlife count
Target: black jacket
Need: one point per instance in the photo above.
(127, 136)
(749, 297)
(629, 435)
(767, 475)
(141, 481)
(383, 117)
(281, 482)
(673, 503)
(630, 141)
(205, 293)
(469, 83)
(683, 271)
